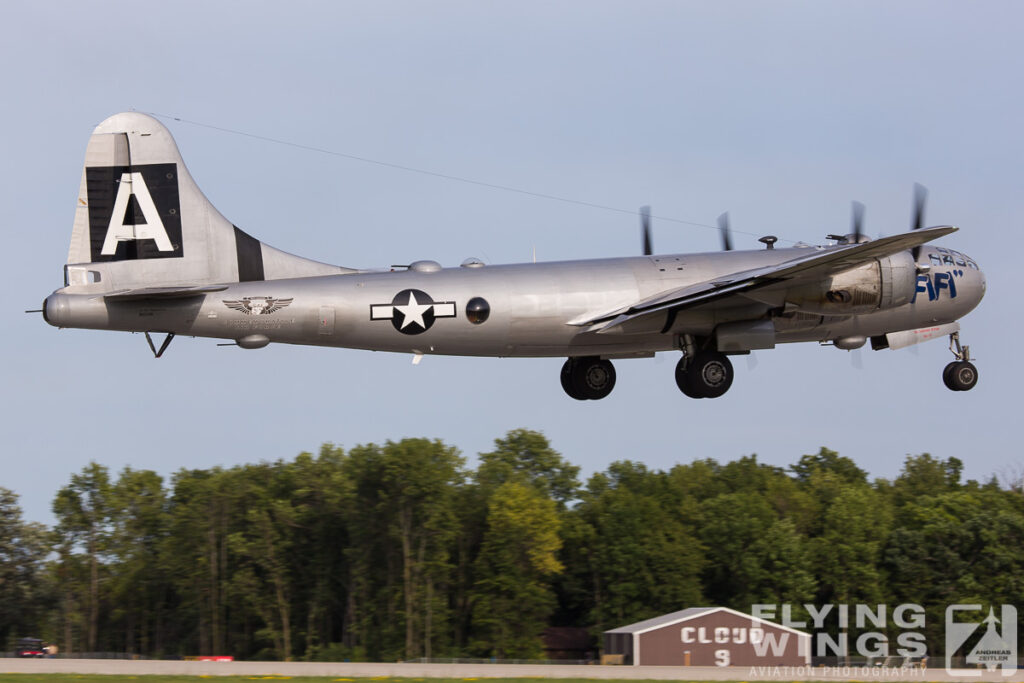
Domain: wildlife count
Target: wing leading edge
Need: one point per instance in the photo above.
(813, 265)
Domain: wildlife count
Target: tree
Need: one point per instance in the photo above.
(23, 549)
(960, 546)
(638, 557)
(528, 456)
(784, 560)
(512, 596)
(263, 547)
(923, 475)
(732, 525)
(826, 460)
(392, 551)
(83, 510)
(848, 552)
(322, 501)
(202, 508)
(139, 527)
(404, 492)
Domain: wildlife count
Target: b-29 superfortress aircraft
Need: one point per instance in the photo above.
(149, 253)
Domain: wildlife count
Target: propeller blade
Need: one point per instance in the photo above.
(920, 196)
(917, 220)
(723, 226)
(645, 229)
(857, 222)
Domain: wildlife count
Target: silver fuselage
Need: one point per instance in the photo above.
(531, 306)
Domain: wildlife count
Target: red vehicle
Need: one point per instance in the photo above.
(29, 647)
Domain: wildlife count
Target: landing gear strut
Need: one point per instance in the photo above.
(960, 375)
(705, 374)
(588, 378)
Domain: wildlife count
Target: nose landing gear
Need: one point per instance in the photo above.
(960, 375)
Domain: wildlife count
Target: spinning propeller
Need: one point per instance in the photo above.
(723, 227)
(645, 229)
(917, 222)
(857, 222)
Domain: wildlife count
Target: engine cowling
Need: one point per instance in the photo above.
(899, 279)
(884, 283)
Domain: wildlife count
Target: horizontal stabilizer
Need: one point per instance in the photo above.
(162, 293)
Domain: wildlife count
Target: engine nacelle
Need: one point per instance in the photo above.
(884, 283)
(899, 279)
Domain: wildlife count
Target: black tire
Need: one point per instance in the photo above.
(960, 376)
(684, 380)
(567, 384)
(947, 373)
(710, 374)
(592, 377)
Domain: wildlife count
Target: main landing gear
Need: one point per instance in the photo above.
(588, 378)
(960, 375)
(705, 374)
(702, 372)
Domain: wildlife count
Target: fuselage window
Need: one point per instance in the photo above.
(477, 310)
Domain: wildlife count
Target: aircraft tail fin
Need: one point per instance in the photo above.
(141, 220)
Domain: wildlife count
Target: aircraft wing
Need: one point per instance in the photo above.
(815, 264)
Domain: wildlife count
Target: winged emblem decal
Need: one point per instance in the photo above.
(257, 305)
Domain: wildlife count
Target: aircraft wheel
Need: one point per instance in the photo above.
(684, 380)
(946, 372)
(593, 377)
(588, 378)
(567, 383)
(960, 375)
(710, 374)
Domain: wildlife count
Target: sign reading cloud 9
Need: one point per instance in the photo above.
(412, 311)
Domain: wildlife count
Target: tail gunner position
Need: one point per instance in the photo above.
(150, 254)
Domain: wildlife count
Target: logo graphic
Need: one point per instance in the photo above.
(412, 311)
(134, 212)
(257, 305)
(995, 648)
(934, 283)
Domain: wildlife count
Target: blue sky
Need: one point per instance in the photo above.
(781, 113)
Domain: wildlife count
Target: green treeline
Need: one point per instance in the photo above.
(399, 551)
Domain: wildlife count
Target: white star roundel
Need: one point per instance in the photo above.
(412, 311)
